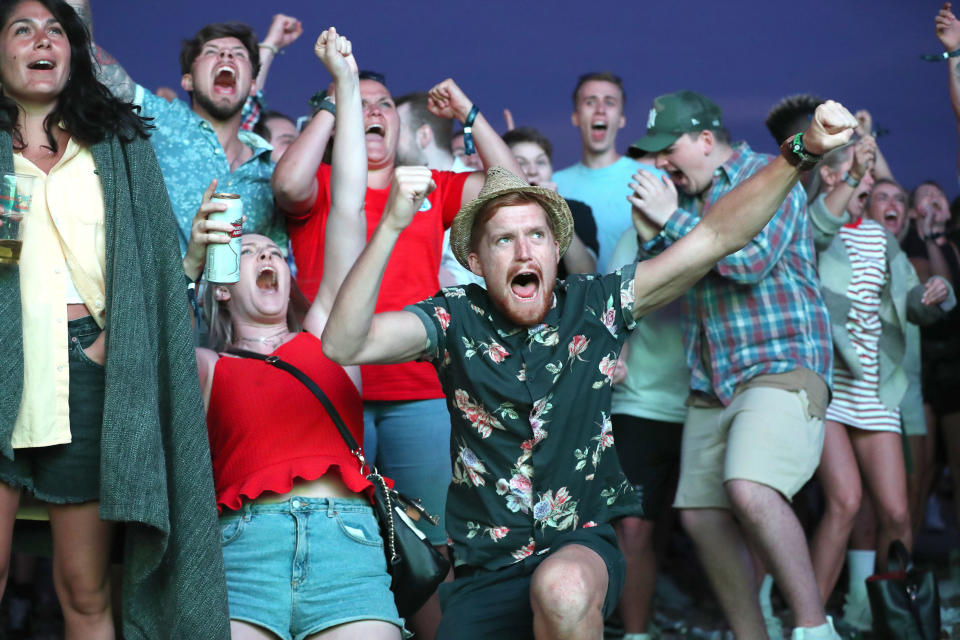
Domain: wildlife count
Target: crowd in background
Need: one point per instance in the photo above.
(853, 282)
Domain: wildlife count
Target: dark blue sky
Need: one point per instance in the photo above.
(526, 56)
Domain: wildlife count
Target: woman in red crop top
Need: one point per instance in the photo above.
(301, 546)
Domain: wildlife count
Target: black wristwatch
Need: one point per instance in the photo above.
(797, 155)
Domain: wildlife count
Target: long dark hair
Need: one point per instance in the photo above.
(86, 107)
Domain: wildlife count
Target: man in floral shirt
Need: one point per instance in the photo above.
(526, 366)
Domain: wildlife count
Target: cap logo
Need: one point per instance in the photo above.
(694, 121)
(652, 119)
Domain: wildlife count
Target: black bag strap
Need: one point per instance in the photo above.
(315, 389)
(910, 584)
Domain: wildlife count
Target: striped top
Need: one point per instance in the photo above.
(855, 400)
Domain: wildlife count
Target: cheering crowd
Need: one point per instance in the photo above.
(549, 360)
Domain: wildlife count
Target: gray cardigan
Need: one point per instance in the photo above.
(900, 302)
(155, 473)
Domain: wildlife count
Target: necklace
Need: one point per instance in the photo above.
(271, 340)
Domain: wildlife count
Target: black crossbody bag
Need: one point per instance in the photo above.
(415, 567)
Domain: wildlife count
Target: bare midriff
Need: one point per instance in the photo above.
(327, 486)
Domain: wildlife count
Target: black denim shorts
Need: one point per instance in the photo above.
(68, 473)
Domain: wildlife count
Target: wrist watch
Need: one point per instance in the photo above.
(797, 155)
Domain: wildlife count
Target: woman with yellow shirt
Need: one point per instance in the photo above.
(95, 344)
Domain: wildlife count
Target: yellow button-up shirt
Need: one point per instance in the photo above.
(64, 229)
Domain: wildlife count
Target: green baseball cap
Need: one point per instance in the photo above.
(673, 115)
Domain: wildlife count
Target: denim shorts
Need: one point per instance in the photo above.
(68, 473)
(304, 565)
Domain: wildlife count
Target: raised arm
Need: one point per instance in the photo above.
(346, 230)
(735, 218)
(948, 32)
(447, 100)
(283, 31)
(294, 179)
(864, 157)
(354, 334)
(108, 70)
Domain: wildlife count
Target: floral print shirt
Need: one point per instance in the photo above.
(531, 440)
(190, 156)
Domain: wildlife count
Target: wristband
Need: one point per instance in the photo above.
(328, 105)
(468, 147)
(850, 180)
(320, 101)
(269, 47)
(795, 153)
(937, 57)
(192, 294)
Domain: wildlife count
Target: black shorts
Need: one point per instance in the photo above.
(649, 453)
(496, 604)
(68, 473)
(941, 372)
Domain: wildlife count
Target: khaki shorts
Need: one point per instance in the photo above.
(766, 435)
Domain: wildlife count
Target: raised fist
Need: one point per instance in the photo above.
(336, 53)
(831, 127)
(409, 188)
(283, 31)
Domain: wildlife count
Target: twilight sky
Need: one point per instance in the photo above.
(745, 55)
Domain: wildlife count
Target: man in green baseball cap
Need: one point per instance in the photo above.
(675, 114)
(758, 345)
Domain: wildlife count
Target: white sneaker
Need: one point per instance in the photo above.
(856, 612)
(823, 632)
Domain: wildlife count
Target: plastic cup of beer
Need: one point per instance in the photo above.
(16, 194)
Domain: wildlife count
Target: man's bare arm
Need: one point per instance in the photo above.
(283, 31)
(735, 218)
(948, 32)
(108, 70)
(354, 334)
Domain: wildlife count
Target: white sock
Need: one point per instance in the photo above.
(859, 567)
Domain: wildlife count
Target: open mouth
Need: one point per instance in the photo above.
(225, 80)
(598, 129)
(375, 129)
(267, 279)
(525, 285)
(41, 65)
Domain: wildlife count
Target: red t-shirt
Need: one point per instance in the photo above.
(411, 273)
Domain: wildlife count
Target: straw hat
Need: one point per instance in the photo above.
(501, 182)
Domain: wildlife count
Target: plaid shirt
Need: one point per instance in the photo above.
(759, 311)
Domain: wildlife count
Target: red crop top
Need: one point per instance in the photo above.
(267, 429)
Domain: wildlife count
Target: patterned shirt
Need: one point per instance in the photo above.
(759, 311)
(190, 156)
(531, 439)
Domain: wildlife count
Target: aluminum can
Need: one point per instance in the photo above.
(223, 260)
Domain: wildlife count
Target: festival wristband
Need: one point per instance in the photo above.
(850, 180)
(468, 147)
(937, 57)
(269, 47)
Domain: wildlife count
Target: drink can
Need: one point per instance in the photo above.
(223, 260)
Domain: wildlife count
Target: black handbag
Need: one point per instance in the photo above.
(905, 603)
(416, 568)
